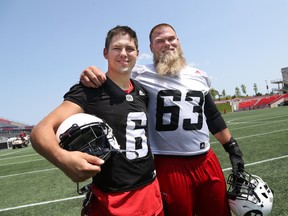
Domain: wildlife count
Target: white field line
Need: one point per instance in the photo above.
(25, 173)
(240, 119)
(10, 152)
(18, 156)
(259, 162)
(261, 134)
(8, 164)
(82, 196)
(254, 135)
(41, 203)
(252, 124)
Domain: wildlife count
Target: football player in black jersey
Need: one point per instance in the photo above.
(182, 113)
(126, 183)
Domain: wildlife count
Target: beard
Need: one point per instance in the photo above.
(170, 64)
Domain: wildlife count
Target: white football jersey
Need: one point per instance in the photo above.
(177, 124)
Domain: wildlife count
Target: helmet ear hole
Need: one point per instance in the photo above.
(88, 134)
(254, 213)
(249, 195)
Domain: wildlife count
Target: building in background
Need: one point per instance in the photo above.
(282, 83)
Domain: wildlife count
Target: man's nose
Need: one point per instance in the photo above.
(123, 52)
(167, 43)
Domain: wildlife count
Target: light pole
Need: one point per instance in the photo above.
(267, 87)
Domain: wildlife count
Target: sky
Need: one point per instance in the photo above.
(45, 45)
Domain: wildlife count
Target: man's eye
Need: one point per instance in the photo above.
(160, 41)
(130, 49)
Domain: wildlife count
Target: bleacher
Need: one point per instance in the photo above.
(262, 102)
(266, 101)
(4, 124)
(2, 120)
(248, 104)
(10, 128)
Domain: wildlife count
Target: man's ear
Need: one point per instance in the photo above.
(105, 53)
(150, 47)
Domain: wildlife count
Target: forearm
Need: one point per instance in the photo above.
(223, 136)
(44, 142)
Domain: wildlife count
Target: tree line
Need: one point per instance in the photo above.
(238, 92)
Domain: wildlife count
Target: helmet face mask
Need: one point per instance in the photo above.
(88, 134)
(249, 195)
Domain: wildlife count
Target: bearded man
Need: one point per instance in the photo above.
(181, 114)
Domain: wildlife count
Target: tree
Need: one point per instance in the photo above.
(213, 93)
(243, 88)
(224, 93)
(255, 88)
(237, 92)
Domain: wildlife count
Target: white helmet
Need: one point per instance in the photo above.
(249, 195)
(87, 133)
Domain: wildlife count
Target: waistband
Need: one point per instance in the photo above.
(182, 156)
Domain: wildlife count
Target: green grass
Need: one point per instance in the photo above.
(36, 187)
(224, 106)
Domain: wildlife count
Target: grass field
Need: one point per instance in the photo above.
(30, 185)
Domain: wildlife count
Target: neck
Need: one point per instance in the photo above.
(120, 79)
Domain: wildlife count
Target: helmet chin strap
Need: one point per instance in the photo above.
(84, 189)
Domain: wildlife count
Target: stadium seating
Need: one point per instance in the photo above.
(248, 104)
(266, 101)
(262, 102)
(10, 128)
(4, 123)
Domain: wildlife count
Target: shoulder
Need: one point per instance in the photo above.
(142, 69)
(195, 71)
(197, 74)
(79, 87)
(80, 91)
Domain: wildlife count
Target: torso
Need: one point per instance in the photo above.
(177, 124)
(126, 114)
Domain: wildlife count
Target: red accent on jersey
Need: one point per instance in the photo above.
(131, 87)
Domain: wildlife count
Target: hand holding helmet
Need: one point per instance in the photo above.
(88, 134)
(235, 156)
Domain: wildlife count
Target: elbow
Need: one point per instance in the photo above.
(33, 137)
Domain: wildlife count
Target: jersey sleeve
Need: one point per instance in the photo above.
(214, 119)
(79, 95)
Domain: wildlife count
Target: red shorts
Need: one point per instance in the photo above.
(144, 201)
(192, 185)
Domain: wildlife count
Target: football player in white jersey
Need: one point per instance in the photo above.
(181, 114)
(126, 183)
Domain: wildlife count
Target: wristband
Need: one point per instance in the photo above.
(232, 147)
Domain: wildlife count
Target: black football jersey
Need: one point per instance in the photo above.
(126, 114)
